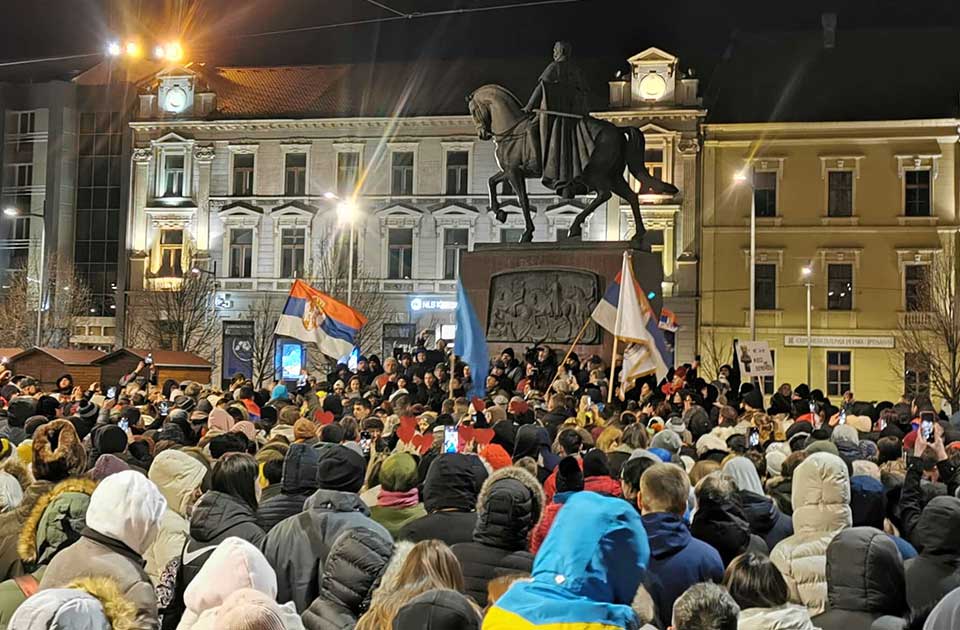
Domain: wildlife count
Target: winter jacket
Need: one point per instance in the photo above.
(235, 564)
(351, 572)
(297, 547)
(91, 602)
(508, 508)
(592, 564)
(677, 560)
(54, 524)
(946, 614)
(780, 489)
(11, 524)
(177, 476)
(299, 482)
(394, 518)
(122, 521)
(765, 519)
(937, 535)
(868, 502)
(864, 580)
(821, 508)
(539, 533)
(721, 523)
(788, 617)
(603, 484)
(450, 490)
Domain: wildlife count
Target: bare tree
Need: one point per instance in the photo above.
(179, 315)
(928, 335)
(329, 275)
(263, 313)
(713, 354)
(67, 298)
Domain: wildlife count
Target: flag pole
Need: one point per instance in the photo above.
(579, 336)
(453, 365)
(613, 366)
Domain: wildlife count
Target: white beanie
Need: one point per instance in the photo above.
(127, 507)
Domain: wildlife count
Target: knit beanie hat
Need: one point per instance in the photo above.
(87, 411)
(249, 609)
(185, 402)
(57, 452)
(569, 475)
(439, 609)
(667, 440)
(304, 429)
(753, 399)
(775, 461)
(342, 470)
(399, 472)
(595, 464)
(496, 456)
(25, 451)
(844, 433)
(107, 465)
(109, 438)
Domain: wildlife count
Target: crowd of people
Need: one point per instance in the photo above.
(384, 498)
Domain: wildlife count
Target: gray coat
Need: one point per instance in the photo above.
(89, 557)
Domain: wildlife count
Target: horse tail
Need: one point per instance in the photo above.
(636, 164)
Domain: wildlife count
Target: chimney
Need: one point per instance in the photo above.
(829, 23)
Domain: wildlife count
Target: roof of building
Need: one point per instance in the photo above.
(7, 353)
(67, 356)
(867, 75)
(161, 358)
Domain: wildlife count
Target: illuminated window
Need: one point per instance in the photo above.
(838, 372)
(171, 253)
(839, 287)
(348, 173)
(173, 175)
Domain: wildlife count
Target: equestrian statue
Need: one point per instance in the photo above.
(555, 139)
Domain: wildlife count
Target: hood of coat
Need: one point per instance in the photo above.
(217, 512)
(597, 548)
(90, 603)
(439, 609)
(938, 530)
(233, 565)
(760, 511)
(336, 501)
(865, 572)
(720, 521)
(527, 442)
(744, 475)
(127, 507)
(453, 482)
(787, 617)
(868, 501)
(946, 614)
(354, 566)
(300, 469)
(668, 533)
(56, 521)
(178, 476)
(508, 507)
(821, 495)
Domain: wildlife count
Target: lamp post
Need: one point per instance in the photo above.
(346, 213)
(807, 273)
(741, 178)
(15, 213)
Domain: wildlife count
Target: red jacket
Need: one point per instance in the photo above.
(603, 485)
(539, 533)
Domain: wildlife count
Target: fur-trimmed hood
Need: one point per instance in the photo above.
(508, 507)
(120, 611)
(388, 582)
(19, 470)
(90, 602)
(68, 500)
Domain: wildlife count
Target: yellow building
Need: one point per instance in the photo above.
(866, 205)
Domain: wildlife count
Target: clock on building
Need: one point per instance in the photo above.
(652, 87)
(175, 100)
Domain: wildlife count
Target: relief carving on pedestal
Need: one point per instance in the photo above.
(543, 305)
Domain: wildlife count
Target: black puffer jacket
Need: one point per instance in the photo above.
(217, 516)
(720, 523)
(508, 507)
(298, 546)
(352, 571)
(864, 580)
(299, 482)
(766, 520)
(937, 538)
(450, 497)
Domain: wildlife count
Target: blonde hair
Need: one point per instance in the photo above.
(703, 468)
(664, 488)
(429, 565)
(609, 439)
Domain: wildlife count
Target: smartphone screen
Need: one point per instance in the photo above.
(123, 424)
(843, 417)
(164, 407)
(451, 439)
(112, 392)
(882, 424)
(365, 439)
(754, 439)
(926, 424)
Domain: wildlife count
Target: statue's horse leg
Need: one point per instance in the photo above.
(623, 190)
(518, 180)
(494, 201)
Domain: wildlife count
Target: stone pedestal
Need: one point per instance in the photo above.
(544, 292)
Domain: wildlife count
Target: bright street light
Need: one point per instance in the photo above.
(133, 49)
(173, 51)
(113, 49)
(329, 195)
(806, 271)
(740, 177)
(346, 211)
(11, 212)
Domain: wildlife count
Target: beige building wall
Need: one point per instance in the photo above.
(879, 241)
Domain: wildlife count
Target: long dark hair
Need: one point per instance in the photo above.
(235, 474)
(754, 582)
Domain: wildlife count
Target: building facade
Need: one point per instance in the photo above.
(239, 171)
(866, 206)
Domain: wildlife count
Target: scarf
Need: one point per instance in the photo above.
(391, 499)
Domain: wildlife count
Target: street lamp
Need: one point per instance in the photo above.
(740, 178)
(346, 214)
(11, 211)
(807, 273)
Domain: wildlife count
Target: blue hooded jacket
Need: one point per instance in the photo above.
(677, 560)
(586, 573)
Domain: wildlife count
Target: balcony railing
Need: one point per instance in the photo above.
(916, 319)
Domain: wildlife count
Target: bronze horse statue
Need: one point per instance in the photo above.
(499, 116)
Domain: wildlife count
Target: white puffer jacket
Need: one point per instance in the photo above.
(787, 617)
(821, 508)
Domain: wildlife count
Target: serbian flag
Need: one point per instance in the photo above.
(314, 317)
(625, 312)
(668, 320)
